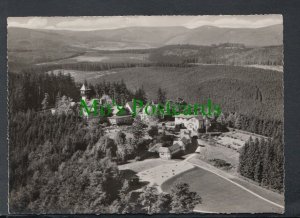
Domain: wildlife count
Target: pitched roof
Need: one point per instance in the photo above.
(155, 147)
(163, 149)
(202, 143)
(178, 142)
(174, 148)
(130, 104)
(198, 150)
(198, 117)
(121, 111)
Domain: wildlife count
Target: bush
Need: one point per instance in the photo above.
(177, 128)
(165, 138)
(221, 163)
(153, 131)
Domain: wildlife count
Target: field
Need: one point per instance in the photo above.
(215, 190)
(102, 57)
(159, 174)
(157, 171)
(221, 152)
(144, 165)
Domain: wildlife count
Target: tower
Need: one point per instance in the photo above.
(85, 92)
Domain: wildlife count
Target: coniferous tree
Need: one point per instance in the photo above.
(161, 96)
(45, 102)
(137, 129)
(256, 165)
(231, 120)
(238, 122)
(221, 119)
(140, 94)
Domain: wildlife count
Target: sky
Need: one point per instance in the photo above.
(114, 22)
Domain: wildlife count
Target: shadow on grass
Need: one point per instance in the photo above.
(133, 179)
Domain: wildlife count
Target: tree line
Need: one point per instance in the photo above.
(118, 91)
(266, 127)
(260, 160)
(263, 162)
(39, 91)
(27, 90)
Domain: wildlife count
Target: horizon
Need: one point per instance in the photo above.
(121, 22)
(9, 27)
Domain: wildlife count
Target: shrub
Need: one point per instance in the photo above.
(221, 163)
(153, 131)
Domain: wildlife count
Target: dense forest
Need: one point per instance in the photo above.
(266, 127)
(249, 91)
(263, 162)
(227, 53)
(117, 91)
(59, 164)
(260, 160)
(27, 90)
(64, 164)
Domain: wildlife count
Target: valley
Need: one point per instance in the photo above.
(65, 160)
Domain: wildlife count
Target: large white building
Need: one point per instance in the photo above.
(191, 122)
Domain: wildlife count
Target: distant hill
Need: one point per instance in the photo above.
(143, 37)
(31, 46)
(26, 46)
(227, 53)
(208, 35)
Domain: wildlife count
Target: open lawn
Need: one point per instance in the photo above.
(220, 152)
(144, 165)
(157, 171)
(160, 174)
(220, 195)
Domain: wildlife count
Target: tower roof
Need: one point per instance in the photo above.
(84, 88)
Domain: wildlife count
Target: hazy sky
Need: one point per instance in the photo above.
(95, 23)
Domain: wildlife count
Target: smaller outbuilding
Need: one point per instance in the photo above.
(169, 152)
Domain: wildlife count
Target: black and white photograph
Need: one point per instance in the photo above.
(146, 114)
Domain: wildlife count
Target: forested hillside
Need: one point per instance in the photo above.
(60, 164)
(244, 90)
(227, 53)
